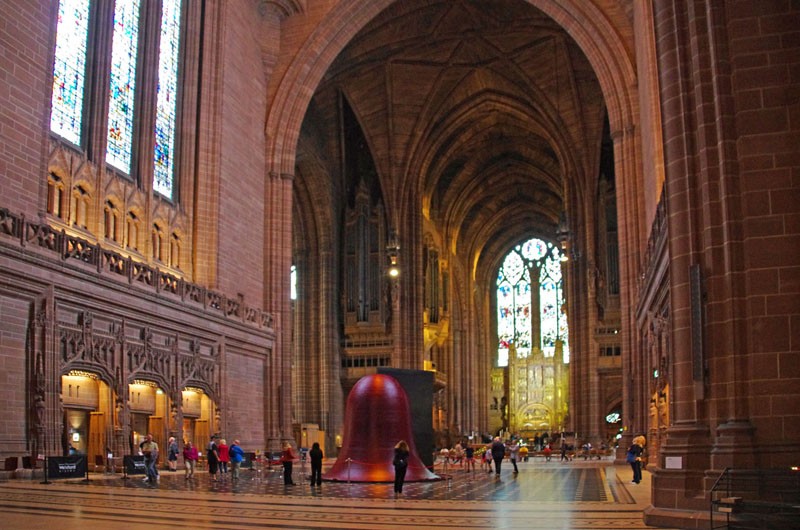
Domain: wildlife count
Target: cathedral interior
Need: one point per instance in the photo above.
(578, 216)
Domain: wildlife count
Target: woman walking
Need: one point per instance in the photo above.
(400, 463)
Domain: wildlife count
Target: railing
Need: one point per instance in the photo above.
(756, 499)
(106, 261)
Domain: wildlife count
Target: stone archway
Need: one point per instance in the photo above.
(606, 49)
(584, 22)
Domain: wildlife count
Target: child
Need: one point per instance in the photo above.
(486, 461)
(469, 453)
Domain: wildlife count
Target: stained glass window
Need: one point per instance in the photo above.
(516, 313)
(163, 177)
(293, 282)
(69, 69)
(123, 84)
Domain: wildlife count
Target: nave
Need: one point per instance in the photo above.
(575, 495)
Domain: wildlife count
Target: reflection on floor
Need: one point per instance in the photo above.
(574, 495)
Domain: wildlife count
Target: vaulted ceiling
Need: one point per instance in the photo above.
(482, 114)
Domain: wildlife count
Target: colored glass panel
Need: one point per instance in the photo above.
(166, 102)
(534, 249)
(515, 312)
(123, 84)
(505, 320)
(66, 112)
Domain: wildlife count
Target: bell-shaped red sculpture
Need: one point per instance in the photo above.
(377, 416)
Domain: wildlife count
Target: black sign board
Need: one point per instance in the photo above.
(66, 466)
(134, 464)
(247, 460)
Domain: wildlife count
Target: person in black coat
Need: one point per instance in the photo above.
(400, 463)
(316, 464)
(498, 453)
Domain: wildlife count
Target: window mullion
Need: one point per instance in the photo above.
(147, 79)
(98, 75)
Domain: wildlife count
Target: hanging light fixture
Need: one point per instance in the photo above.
(393, 253)
(563, 236)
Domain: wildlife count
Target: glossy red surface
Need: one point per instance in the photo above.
(376, 418)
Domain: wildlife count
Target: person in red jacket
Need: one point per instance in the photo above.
(224, 458)
(287, 458)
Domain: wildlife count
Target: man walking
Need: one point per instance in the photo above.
(150, 451)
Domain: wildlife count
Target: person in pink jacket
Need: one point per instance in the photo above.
(190, 457)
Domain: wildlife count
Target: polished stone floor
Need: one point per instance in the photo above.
(576, 495)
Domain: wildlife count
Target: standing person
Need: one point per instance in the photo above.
(486, 459)
(634, 458)
(236, 455)
(458, 454)
(190, 458)
(212, 455)
(514, 454)
(400, 463)
(564, 452)
(224, 458)
(150, 451)
(287, 458)
(316, 456)
(498, 454)
(172, 454)
(469, 456)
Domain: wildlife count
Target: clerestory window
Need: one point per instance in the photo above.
(93, 43)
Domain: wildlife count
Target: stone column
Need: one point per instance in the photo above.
(278, 253)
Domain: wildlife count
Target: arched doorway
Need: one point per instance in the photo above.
(88, 414)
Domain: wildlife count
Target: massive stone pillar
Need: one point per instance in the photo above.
(727, 138)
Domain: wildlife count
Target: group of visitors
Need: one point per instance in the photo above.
(219, 455)
(493, 453)
(222, 459)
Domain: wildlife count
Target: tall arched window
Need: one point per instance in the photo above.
(293, 282)
(122, 91)
(69, 69)
(166, 104)
(134, 25)
(530, 298)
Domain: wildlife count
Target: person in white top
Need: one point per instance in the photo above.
(514, 454)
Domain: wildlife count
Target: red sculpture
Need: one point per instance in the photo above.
(376, 418)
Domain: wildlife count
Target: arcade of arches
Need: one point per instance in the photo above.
(307, 191)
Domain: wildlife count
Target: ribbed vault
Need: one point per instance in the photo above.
(477, 113)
